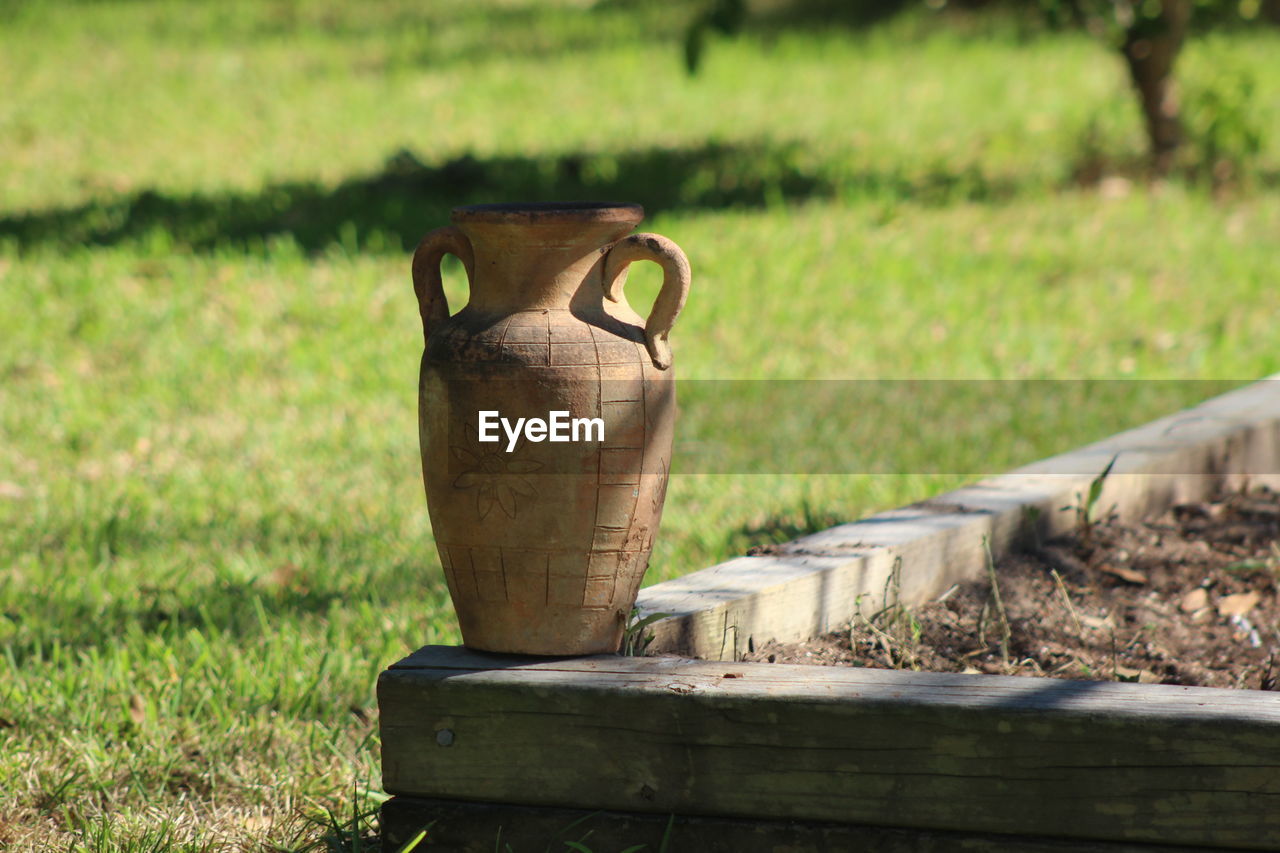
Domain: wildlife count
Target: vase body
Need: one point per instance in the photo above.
(543, 543)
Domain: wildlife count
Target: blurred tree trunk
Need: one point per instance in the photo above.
(1151, 48)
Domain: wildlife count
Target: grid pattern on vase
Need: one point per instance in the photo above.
(614, 566)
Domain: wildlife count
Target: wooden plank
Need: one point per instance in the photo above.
(986, 754)
(470, 827)
(816, 583)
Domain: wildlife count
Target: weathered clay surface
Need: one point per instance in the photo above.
(544, 545)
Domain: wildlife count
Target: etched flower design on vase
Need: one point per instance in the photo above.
(660, 494)
(496, 477)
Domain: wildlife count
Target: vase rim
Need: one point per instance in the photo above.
(550, 212)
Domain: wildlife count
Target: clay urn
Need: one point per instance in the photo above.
(546, 409)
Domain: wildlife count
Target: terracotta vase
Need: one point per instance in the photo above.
(544, 542)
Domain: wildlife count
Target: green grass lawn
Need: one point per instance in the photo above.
(212, 530)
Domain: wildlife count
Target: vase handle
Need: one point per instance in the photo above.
(427, 285)
(675, 286)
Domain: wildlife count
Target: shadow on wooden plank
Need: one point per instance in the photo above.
(468, 827)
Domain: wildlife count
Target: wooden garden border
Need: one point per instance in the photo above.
(861, 757)
(814, 585)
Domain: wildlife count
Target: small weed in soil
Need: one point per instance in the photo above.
(1190, 598)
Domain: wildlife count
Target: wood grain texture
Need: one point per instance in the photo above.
(816, 583)
(984, 754)
(459, 827)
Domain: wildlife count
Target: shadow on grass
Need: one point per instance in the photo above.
(763, 537)
(389, 210)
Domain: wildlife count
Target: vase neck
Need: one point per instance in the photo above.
(541, 258)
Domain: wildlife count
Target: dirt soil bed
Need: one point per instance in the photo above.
(1190, 598)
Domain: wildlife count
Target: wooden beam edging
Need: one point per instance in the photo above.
(935, 751)
(816, 583)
